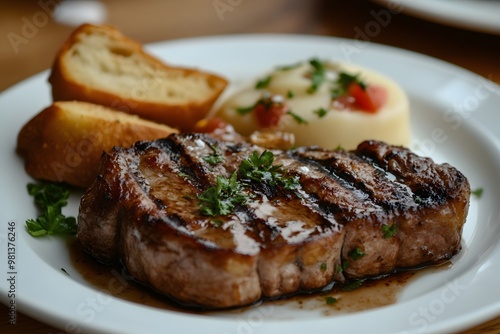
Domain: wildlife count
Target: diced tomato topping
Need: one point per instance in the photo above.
(268, 112)
(208, 125)
(370, 99)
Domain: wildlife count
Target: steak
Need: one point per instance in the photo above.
(314, 217)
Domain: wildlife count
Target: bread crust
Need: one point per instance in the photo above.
(62, 145)
(182, 116)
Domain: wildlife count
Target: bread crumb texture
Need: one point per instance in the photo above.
(120, 69)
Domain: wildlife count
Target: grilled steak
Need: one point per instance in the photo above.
(339, 215)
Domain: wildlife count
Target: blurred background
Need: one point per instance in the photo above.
(32, 31)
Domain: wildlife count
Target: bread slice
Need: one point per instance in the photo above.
(65, 141)
(99, 64)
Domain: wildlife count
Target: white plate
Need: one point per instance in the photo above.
(446, 102)
(476, 15)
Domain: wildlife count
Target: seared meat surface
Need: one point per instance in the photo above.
(344, 215)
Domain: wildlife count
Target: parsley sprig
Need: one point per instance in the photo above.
(329, 300)
(318, 75)
(215, 157)
(352, 285)
(477, 192)
(260, 168)
(356, 254)
(220, 200)
(288, 67)
(389, 230)
(265, 100)
(343, 82)
(263, 83)
(50, 198)
(296, 118)
(321, 112)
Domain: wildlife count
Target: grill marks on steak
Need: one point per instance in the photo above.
(144, 210)
(267, 221)
(416, 195)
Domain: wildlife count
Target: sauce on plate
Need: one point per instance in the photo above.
(115, 280)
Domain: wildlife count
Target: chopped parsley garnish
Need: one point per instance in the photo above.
(297, 118)
(263, 83)
(265, 100)
(477, 193)
(419, 200)
(323, 266)
(50, 198)
(339, 148)
(344, 80)
(389, 231)
(214, 158)
(184, 175)
(353, 285)
(223, 197)
(317, 75)
(245, 110)
(290, 94)
(260, 168)
(216, 223)
(321, 112)
(342, 267)
(356, 254)
(290, 183)
(330, 300)
(288, 67)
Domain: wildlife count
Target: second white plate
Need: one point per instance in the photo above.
(476, 15)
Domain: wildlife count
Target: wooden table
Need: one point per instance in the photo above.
(156, 20)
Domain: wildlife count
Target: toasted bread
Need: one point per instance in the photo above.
(99, 64)
(65, 141)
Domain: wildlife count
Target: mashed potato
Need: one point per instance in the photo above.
(315, 101)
